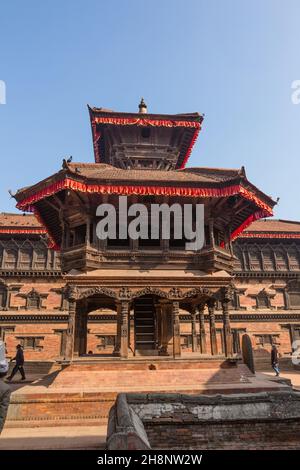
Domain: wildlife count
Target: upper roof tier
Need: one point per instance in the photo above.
(143, 140)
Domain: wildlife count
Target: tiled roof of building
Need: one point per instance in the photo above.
(20, 224)
(18, 220)
(109, 172)
(274, 225)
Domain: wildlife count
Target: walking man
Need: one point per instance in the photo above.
(275, 359)
(4, 388)
(19, 358)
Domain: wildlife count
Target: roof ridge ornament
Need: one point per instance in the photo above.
(143, 107)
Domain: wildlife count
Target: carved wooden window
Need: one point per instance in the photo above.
(11, 258)
(33, 300)
(254, 259)
(294, 294)
(238, 262)
(25, 257)
(281, 261)
(293, 259)
(266, 340)
(31, 342)
(186, 341)
(40, 258)
(3, 297)
(105, 341)
(263, 300)
(268, 259)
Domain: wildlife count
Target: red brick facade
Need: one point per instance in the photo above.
(265, 305)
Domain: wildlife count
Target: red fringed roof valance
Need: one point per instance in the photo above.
(145, 122)
(69, 183)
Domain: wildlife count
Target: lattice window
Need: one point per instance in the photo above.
(254, 259)
(268, 259)
(238, 262)
(33, 300)
(293, 259)
(186, 341)
(25, 261)
(40, 258)
(105, 341)
(266, 340)
(281, 261)
(3, 297)
(262, 300)
(31, 342)
(11, 258)
(294, 294)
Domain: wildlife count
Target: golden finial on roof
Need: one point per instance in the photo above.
(143, 107)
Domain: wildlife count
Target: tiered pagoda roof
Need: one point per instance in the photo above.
(143, 140)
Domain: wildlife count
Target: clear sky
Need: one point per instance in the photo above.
(233, 60)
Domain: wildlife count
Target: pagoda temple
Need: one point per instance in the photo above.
(148, 283)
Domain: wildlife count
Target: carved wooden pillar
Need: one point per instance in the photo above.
(226, 323)
(202, 333)
(194, 329)
(131, 332)
(83, 331)
(70, 334)
(88, 231)
(124, 329)
(158, 326)
(163, 349)
(176, 329)
(117, 347)
(211, 232)
(212, 325)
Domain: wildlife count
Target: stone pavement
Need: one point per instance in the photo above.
(53, 438)
(292, 375)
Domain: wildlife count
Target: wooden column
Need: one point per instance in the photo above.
(117, 347)
(158, 326)
(200, 311)
(176, 330)
(212, 325)
(226, 327)
(194, 329)
(124, 329)
(70, 335)
(163, 349)
(211, 232)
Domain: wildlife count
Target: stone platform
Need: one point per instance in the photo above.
(83, 392)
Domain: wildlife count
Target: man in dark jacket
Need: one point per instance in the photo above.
(19, 358)
(275, 359)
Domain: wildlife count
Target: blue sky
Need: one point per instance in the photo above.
(233, 60)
